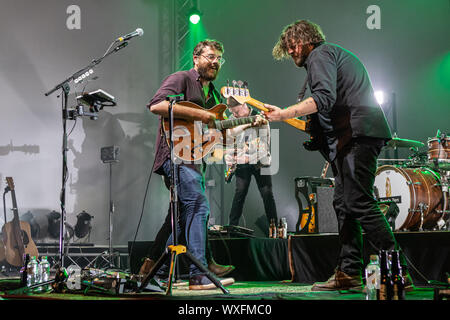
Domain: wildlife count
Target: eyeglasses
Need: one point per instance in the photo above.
(212, 57)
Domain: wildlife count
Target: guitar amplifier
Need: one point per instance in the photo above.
(315, 200)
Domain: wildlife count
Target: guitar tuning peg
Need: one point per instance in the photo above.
(239, 83)
(235, 90)
(245, 84)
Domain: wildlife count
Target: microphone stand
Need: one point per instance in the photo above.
(64, 86)
(172, 251)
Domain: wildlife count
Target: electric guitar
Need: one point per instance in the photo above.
(229, 173)
(239, 92)
(194, 140)
(17, 235)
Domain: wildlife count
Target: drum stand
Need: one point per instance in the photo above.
(445, 217)
(174, 250)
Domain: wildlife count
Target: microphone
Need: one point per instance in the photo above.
(139, 32)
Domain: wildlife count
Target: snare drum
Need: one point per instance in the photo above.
(417, 193)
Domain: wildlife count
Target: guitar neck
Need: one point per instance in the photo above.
(230, 123)
(296, 123)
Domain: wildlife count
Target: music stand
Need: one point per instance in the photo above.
(174, 250)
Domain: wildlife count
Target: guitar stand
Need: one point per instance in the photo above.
(174, 250)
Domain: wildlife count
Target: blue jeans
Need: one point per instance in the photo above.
(193, 211)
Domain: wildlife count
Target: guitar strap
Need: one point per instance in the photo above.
(301, 95)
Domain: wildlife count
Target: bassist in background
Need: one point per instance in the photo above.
(251, 153)
(353, 129)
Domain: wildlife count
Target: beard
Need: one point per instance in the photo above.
(208, 71)
(300, 60)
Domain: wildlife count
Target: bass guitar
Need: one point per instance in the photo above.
(239, 92)
(17, 235)
(194, 140)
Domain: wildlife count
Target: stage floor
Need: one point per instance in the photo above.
(240, 290)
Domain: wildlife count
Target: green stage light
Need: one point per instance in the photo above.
(194, 18)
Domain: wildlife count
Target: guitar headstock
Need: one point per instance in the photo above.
(10, 182)
(238, 91)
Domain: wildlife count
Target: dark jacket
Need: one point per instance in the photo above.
(343, 93)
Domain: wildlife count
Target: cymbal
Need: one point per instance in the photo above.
(404, 143)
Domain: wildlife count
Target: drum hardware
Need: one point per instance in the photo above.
(404, 143)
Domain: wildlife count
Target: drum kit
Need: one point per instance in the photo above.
(417, 187)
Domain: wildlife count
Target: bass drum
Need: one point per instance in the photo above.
(417, 193)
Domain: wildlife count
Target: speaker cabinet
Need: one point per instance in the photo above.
(315, 200)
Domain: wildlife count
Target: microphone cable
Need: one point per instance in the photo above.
(143, 208)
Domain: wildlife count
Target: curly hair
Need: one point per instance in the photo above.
(207, 43)
(301, 30)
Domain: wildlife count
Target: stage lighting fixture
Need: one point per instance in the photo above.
(194, 16)
(54, 225)
(379, 95)
(83, 226)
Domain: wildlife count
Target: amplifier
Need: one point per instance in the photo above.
(315, 201)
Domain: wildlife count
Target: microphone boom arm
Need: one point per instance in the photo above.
(64, 84)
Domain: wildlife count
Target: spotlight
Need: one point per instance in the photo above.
(34, 225)
(83, 226)
(379, 95)
(194, 16)
(54, 226)
(53, 223)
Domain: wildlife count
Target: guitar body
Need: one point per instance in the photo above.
(13, 254)
(17, 235)
(316, 140)
(2, 251)
(193, 140)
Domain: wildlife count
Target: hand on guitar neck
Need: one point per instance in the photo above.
(241, 94)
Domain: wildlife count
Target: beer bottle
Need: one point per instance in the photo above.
(385, 292)
(272, 229)
(398, 288)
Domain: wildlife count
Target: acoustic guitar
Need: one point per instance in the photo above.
(194, 140)
(17, 235)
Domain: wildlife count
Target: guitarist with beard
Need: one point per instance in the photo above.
(353, 129)
(197, 87)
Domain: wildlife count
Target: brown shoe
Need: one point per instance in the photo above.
(146, 267)
(339, 281)
(219, 270)
(202, 282)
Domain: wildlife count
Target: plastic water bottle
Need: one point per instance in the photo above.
(32, 272)
(372, 278)
(44, 273)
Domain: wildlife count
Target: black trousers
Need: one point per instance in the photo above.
(356, 208)
(244, 173)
